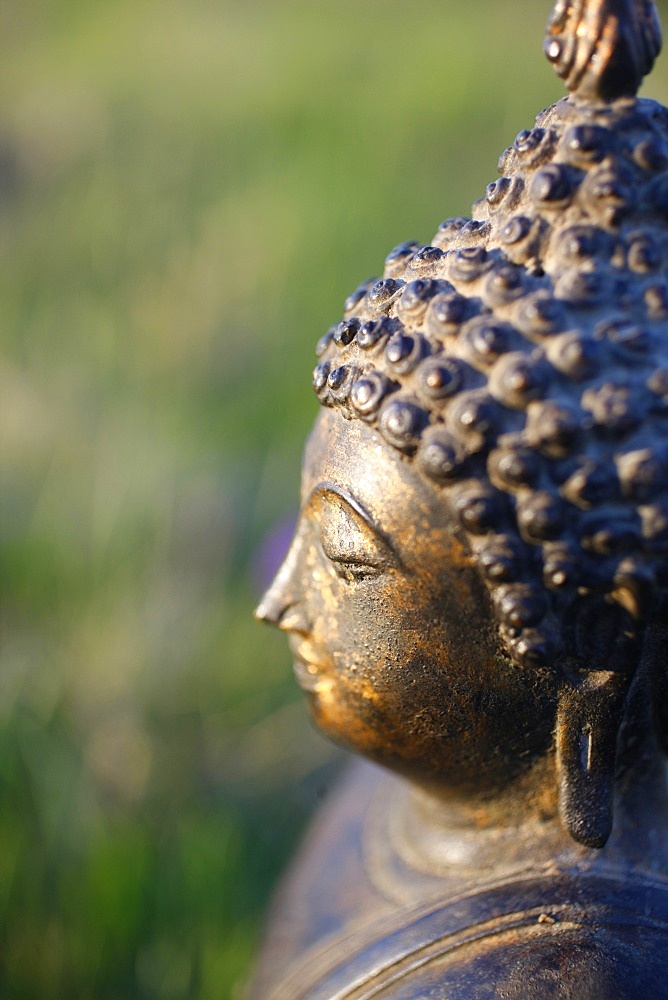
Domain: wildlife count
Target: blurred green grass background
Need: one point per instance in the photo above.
(188, 191)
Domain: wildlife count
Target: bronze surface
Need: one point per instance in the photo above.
(475, 595)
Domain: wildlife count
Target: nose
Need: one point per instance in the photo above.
(282, 603)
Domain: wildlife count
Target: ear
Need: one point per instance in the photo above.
(589, 716)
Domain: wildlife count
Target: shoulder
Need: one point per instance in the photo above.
(573, 936)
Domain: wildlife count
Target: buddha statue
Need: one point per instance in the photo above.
(476, 593)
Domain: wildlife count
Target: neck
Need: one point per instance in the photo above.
(473, 840)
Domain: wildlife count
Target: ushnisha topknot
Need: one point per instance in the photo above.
(520, 360)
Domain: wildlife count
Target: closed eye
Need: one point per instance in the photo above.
(354, 572)
(348, 538)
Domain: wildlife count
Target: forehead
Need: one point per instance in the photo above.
(352, 457)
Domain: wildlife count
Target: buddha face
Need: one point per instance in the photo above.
(391, 628)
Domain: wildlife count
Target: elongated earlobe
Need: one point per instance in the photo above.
(588, 720)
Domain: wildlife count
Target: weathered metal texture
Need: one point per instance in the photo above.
(476, 591)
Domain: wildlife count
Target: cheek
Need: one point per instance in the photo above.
(358, 623)
(398, 687)
(383, 639)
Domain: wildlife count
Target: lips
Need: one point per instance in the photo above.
(306, 669)
(306, 675)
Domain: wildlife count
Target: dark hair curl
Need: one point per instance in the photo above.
(520, 360)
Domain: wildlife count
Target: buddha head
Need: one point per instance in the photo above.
(480, 569)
